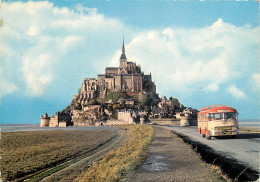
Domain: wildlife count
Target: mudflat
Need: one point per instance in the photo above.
(23, 153)
(170, 159)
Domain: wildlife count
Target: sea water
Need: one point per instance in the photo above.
(36, 127)
(249, 122)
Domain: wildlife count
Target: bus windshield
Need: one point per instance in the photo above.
(219, 116)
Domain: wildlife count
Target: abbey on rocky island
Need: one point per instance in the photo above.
(91, 104)
(127, 77)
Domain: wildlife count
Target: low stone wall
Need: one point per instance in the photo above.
(117, 122)
(166, 121)
(83, 124)
(112, 122)
(125, 116)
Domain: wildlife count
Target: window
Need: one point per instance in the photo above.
(216, 116)
(230, 115)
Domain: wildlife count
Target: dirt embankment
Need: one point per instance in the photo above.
(170, 159)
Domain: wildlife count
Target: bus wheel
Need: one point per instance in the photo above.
(203, 135)
(208, 136)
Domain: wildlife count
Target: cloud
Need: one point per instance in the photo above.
(43, 46)
(46, 47)
(198, 59)
(32, 31)
(235, 92)
(256, 83)
(37, 73)
(5, 86)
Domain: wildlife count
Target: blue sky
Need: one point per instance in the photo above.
(201, 52)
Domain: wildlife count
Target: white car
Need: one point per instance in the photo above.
(186, 124)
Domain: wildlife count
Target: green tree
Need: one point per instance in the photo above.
(115, 96)
(116, 106)
(154, 98)
(147, 85)
(182, 107)
(175, 102)
(143, 99)
(93, 102)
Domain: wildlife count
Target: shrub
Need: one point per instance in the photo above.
(116, 106)
(93, 102)
(115, 96)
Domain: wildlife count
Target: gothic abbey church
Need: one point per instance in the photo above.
(127, 77)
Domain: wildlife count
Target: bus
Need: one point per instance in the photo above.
(218, 120)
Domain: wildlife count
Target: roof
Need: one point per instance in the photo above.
(111, 68)
(147, 76)
(217, 109)
(123, 56)
(90, 79)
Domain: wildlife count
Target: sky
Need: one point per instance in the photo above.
(201, 52)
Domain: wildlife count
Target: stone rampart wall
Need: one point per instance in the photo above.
(126, 117)
(116, 122)
(54, 122)
(45, 122)
(166, 121)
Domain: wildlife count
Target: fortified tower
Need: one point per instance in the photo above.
(45, 120)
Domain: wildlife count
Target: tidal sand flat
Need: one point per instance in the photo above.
(26, 152)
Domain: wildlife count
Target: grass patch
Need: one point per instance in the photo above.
(23, 153)
(116, 164)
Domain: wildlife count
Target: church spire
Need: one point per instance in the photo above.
(123, 56)
(123, 47)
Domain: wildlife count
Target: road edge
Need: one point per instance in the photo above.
(231, 167)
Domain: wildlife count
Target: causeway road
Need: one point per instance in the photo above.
(170, 159)
(244, 149)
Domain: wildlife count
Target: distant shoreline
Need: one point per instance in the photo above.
(243, 124)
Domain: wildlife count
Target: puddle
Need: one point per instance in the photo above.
(154, 163)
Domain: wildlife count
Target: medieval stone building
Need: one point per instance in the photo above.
(60, 119)
(127, 77)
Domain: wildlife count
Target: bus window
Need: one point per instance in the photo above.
(210, 116)
(218, 116)
(230, 115)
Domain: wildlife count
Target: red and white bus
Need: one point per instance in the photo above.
(218, 120)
